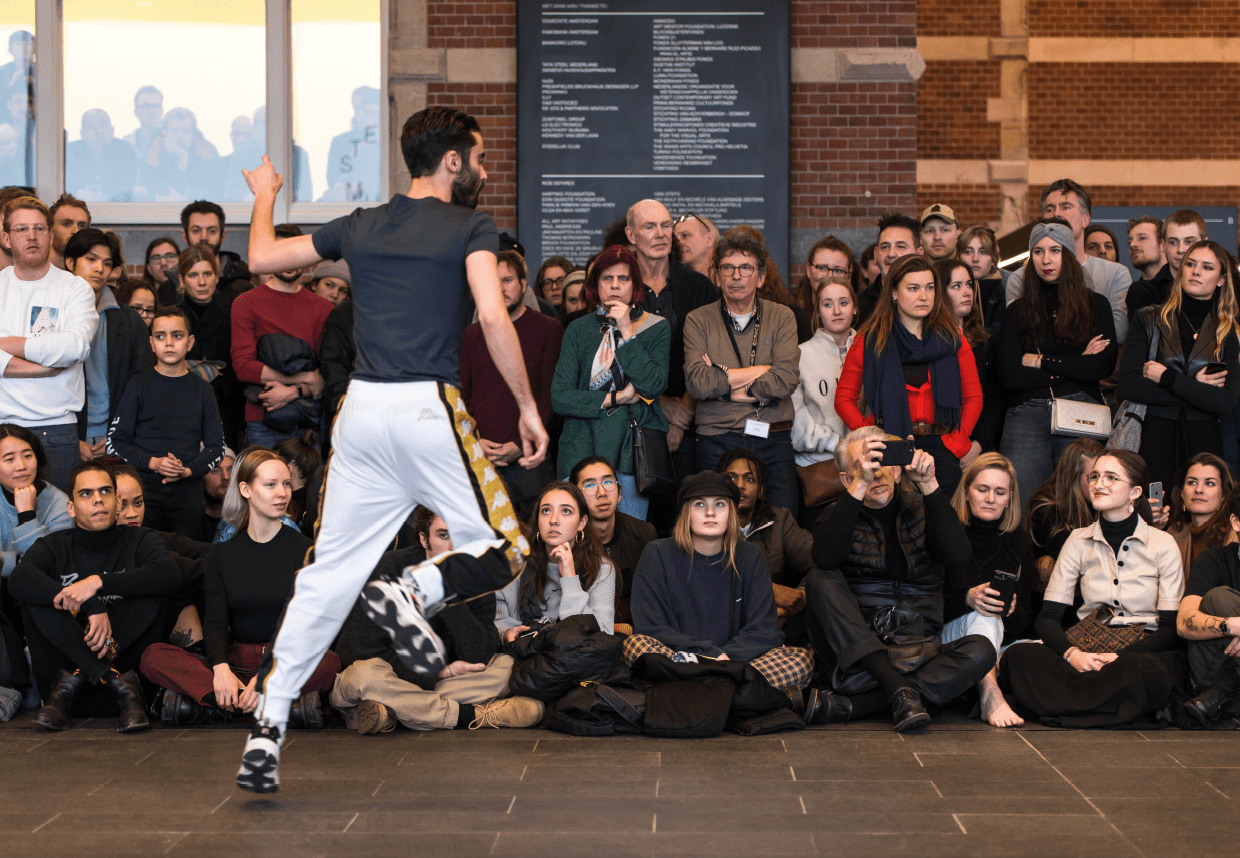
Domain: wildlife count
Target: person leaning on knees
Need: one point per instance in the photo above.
(880, 550)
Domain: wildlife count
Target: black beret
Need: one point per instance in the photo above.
(708, 484)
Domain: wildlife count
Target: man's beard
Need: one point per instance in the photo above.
(466, 187)
(214, 248)
(289, 277)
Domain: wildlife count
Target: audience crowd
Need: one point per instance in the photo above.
(911, 480)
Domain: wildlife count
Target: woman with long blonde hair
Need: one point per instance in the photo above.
(986, 503)
(1193, 379)
(706, 591)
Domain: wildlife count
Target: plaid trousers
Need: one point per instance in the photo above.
(783, 666)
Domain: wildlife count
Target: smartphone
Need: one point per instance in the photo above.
(1005, 583)
(1156, 494)
(897, 453)
(1214, 367)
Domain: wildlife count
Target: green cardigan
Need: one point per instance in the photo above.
(588, 428)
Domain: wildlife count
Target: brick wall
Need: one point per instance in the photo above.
(471, 25)
(954, 18)
(951, 110)
(1132, 18)
(854, 24)
(1107, 110)
(975, 205)
(495, 107)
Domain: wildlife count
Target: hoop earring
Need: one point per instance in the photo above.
(581, 536)
(538, 536)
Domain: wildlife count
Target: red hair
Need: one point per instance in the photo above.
(617, 254)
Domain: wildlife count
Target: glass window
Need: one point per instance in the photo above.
(17, 143)
(164, 99)
(337, 51)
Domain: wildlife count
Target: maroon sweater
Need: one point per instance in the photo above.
(487, 396)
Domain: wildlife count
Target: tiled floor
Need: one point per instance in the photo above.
(958, 789)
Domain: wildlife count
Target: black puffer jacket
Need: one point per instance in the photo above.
(849, 537)
(552, 661)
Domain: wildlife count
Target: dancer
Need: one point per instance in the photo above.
(402, 435)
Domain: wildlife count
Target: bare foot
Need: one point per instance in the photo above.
(996, 712)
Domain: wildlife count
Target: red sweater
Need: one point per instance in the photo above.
(263, 310)
(920, 399)
(487, 395)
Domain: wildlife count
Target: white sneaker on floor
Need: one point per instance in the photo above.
(260, 762)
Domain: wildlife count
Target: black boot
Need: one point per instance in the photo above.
(307, 712)
(127, 694)
(1207, 707)
(55, 712)
(179, 710)
(907, 711)
(823, 707)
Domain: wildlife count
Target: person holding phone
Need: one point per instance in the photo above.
(991, 595)
(875, 602)
(1193, 378)
(1197, 516)
(915, 369)
(613, 366)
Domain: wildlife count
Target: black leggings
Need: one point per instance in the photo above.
(1167, 444)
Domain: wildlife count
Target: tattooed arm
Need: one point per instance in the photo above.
(1195, 625)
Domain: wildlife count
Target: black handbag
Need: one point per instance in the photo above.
(652, 461)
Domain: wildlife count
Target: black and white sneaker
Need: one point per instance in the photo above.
(396, 607)
(260, 763)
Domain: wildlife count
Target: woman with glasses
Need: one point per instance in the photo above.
(1058, 338)
(140, 295)
(1193, 378)
(829, 257)
(978, 248)
(549, 284)
(1130, 580)
(613, 366)
(161, 255)
(915, 370)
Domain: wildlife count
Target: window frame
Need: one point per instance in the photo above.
(50, 126)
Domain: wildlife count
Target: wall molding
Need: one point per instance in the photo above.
(980, 171)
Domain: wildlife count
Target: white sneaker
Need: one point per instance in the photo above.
(395, 606)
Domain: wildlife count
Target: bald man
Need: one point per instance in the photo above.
(99, 167)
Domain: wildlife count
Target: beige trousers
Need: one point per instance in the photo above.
(416, 708)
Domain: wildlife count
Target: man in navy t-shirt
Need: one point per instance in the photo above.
(402, 435)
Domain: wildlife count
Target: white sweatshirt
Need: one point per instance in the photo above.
(57, 316)
(816, 428)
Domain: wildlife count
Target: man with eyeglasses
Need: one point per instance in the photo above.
(623, 537)
(742, 363)
(47, 322)
(120, 349)
(697, 236)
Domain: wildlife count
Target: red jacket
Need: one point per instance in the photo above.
(920, 399)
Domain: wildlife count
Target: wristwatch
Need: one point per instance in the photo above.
(1222, 627)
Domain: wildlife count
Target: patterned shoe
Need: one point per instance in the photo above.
(260, 764)
(510, 712)
(395, 607)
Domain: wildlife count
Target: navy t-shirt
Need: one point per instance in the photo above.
(410, 294)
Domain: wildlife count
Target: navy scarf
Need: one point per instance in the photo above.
(883, 377)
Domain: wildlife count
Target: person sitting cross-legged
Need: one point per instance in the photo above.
(878, 588)
(92, 597)
(376, 691)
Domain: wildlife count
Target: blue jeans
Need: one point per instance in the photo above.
(779, 468)
(258, 435)
(60, 444)
(1028, 442)
(631, 503)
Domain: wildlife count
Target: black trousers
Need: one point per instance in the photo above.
(1207, 661)
(1167, 444)
(841, 636)
(175, 507)
(57, 639)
